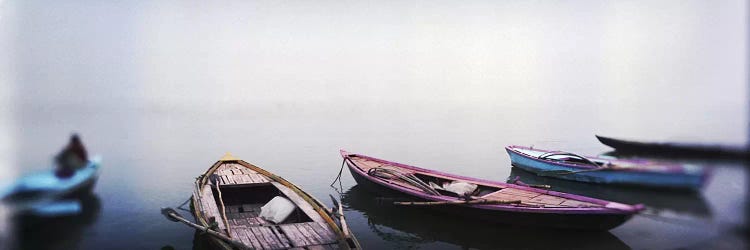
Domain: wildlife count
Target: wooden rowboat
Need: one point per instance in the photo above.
(229, 196)
(491, 201)
(574, 167)
(675, 149)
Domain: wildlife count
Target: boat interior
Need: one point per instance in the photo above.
(241, 192)
(483, 190)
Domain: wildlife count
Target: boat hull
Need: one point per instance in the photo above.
(674, 149)
(547, 220)
(633, 178)
(33, 193)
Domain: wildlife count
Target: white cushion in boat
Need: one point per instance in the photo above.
(277, 210)
(460, 187)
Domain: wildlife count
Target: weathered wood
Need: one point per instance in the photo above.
(236, 179)
(210, 208)
(324, 230)
(295, 237)
(272, 237)
(238, 237)
(519, 192)
(253, 178)
(300, 202)
(248, 207)
(174, 216)
(260, 237)
(255, 221)
(321, 238)
(242, 179)
(308, 236)
(281, 236)
(575, 203)
(548, 199)
(247, 170)
(312, 233)
(503, 196)
(251, 238)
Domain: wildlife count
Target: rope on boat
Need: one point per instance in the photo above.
(338, 177)
(181, 206)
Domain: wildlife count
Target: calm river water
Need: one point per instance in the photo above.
(162, 89)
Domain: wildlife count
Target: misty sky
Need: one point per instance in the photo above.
(547, 56)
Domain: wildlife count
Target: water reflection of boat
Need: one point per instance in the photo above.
(62, 232)
(409, 228)
(683, 202)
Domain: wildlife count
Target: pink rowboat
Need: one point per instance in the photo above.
(505, 203)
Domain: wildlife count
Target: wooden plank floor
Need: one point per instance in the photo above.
(308, 235)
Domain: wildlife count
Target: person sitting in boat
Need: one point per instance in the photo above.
(71, 158)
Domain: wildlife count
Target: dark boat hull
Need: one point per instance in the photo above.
(547, 220)
(674, 149)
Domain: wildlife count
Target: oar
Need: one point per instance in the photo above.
(215, 179)
(339, 211)
(433, 203)
(173, 215)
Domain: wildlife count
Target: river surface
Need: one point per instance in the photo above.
(161, 90)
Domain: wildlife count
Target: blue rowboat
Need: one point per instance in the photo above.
(45, 194)
(574, 167)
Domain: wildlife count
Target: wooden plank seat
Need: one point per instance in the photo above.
(234, 174)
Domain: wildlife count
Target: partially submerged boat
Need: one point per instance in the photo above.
(570, 166)
(263, 211)
(489, 201)
(675, 149)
